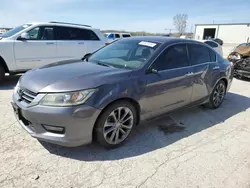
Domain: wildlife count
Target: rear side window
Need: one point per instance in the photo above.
(70, 33)
(117, 36)
(212, 55)
(173, 57)
(125, 35)
(212, 44)
(198, 54)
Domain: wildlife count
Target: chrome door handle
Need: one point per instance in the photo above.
(49, 43)
(216, 67)
(189, 74)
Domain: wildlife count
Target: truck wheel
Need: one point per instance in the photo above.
(2, 73)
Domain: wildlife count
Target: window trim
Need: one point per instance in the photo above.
(150, 66)
(42, 26)
(57, 28)
(189, 65)
(208, 53)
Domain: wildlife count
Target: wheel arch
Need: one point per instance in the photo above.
(127, 99)
(2, 62)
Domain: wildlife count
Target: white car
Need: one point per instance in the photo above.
(115, 36)
(36, 44)
(217, 47)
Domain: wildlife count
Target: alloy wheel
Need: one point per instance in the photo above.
(219, 94)
(118, 125)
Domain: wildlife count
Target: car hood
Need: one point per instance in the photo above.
(243, 50)
(70, 76)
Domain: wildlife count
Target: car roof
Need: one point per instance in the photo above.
(62, 24)
(161, 39)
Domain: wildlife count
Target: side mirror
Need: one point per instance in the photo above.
(86, 57)
(152, 71)
(24, 36)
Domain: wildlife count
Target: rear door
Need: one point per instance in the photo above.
(206, 70)
(171, 86)
(70, 43)
(93, 40)
(37, 51)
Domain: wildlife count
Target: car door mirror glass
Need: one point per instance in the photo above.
(24, 36)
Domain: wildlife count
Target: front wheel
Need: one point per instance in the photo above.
(218, 94)
(115, 124)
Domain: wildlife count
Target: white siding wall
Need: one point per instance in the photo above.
(228, 33)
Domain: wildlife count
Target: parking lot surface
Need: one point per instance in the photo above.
(194, 148)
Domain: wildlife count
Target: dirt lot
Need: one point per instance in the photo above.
(199, 148)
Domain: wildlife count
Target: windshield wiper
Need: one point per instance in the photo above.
(103, 64)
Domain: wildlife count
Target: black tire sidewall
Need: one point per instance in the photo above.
(211, 102)
(104, 115)
(2, 73)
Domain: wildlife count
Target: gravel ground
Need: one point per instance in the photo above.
(196, 148)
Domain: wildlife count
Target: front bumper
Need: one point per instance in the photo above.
(78, 122)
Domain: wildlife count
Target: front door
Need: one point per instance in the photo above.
(37, 51)
(170, 86)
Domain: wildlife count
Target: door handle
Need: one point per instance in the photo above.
(189, 74)
(49, 43)
(80, 42)
(216, 67)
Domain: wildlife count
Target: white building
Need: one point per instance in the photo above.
(234, 33)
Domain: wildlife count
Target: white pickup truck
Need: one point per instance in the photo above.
(36, 44)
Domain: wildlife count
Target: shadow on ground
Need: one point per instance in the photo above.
(9, 82)
(159, 133)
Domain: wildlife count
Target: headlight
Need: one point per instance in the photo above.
(16, 87)
(234, 56)
(67, 99)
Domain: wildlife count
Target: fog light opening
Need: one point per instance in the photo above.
(54, 129)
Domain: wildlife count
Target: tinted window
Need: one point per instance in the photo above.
(42, 33)
(125, 35)
(173, 57)
(212, 44)
(117, 36)
(212, 55)
(70, 33)
(198, 54)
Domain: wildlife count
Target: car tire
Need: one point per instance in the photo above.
(115, 124)
(217, 96)
(2, 73)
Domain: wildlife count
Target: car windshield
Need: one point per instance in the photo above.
(15, 30)
(128, 54)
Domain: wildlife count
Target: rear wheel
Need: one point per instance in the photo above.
(115, 124)
(2, 73)
(217, 96)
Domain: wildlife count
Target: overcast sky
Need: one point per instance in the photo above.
(131, 15)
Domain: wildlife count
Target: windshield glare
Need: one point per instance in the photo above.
(128, 54)
(15, 30)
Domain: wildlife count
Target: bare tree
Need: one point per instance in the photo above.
(180, 22)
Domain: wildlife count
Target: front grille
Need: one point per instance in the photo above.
(26, 95)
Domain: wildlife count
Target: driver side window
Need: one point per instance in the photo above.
(41, 33)
(172, 58)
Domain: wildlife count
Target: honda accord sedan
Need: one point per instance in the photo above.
(106, 94)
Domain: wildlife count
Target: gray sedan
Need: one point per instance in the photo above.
(110, 91)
